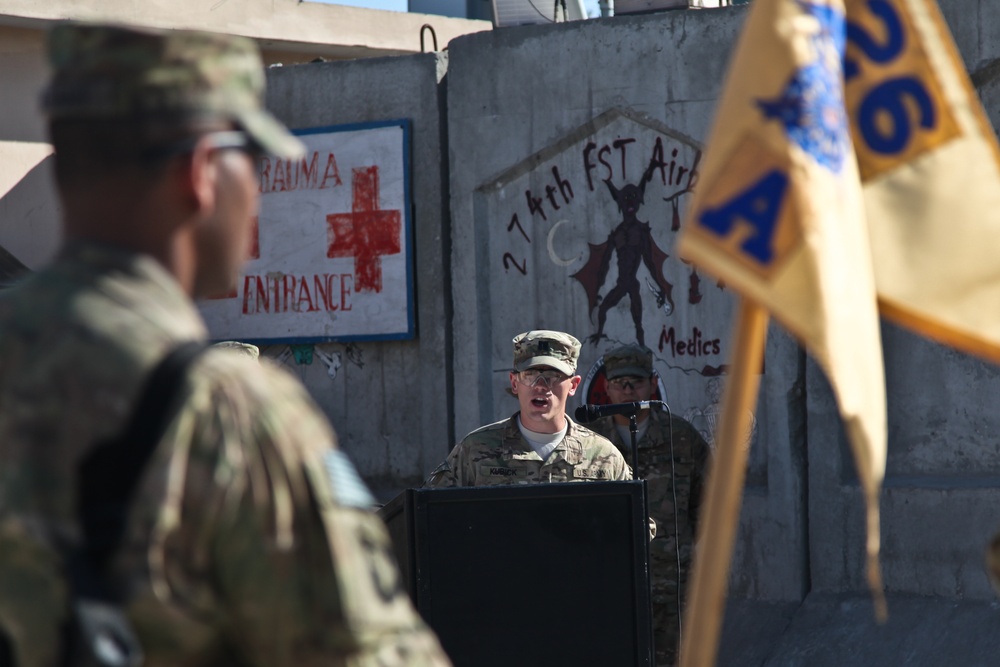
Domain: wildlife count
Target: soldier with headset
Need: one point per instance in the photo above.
(672, 458)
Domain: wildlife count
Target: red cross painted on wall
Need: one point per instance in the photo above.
(367, 233)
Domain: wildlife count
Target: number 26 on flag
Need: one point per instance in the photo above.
(893, 98)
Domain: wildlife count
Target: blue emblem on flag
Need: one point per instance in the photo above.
(832, 24)
(811, 107)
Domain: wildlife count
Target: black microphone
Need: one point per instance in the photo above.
(589, 413)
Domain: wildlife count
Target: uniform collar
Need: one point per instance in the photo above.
(570, 448)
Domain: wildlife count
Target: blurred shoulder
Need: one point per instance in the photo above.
(257, 395)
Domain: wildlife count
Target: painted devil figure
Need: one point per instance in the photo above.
(631, 244)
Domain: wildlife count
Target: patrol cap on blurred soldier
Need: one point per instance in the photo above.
(161, 78)
(128, 102)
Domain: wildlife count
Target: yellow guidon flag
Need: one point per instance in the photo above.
(851, 171)
(779, 216)
(930, 166)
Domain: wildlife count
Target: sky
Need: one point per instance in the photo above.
(392, 5)
(400, 5)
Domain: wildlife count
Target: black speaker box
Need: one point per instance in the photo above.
(539, 575)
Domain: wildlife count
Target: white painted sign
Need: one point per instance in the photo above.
(331, 257)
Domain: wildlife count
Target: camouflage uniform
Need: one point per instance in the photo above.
(675, 541)
(250, 539)
(497, 454)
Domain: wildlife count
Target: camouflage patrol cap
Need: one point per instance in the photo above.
(546, 348)
(247, 349)
(112, 71)
(628, 360)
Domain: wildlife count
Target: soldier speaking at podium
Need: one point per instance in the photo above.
(539, 443)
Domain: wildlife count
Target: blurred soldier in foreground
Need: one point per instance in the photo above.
(249, 540)
(540, 443)
(672, 457)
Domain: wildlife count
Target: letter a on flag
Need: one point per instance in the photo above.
(931, 171)
(779, 215)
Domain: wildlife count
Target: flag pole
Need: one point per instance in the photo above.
(724, 493)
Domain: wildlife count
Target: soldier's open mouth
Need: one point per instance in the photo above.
(539, 402)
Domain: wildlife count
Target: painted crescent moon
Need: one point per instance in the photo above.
(556, 259)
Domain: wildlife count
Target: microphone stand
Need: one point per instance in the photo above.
(633, 429)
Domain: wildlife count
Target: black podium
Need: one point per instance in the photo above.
(535, 575)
